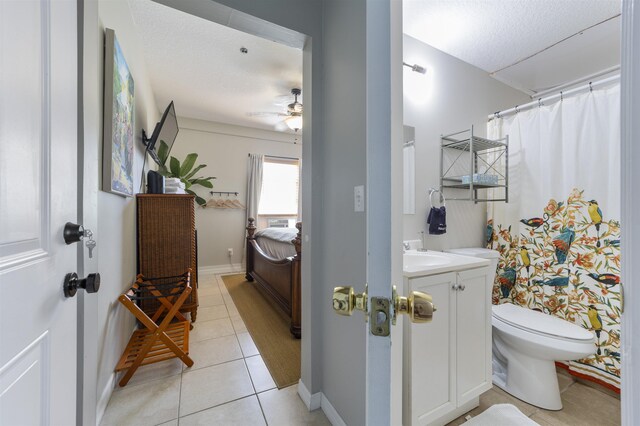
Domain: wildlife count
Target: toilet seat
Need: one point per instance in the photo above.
(538, 323)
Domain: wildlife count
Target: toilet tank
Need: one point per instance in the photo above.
(483, 253)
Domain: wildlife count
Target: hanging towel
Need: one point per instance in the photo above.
(437, 220)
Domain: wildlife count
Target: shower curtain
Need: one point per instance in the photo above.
(559, 235)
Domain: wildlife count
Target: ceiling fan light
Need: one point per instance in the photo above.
(294, 122)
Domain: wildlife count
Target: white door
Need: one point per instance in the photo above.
(38, 144)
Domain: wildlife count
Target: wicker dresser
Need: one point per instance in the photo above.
(166, 242)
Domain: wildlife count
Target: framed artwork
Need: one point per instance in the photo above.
(118, 120)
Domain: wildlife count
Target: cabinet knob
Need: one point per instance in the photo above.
(462, 287)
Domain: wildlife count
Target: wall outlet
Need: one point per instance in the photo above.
(230, 252)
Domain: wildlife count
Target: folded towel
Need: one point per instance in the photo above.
(437, 220)
(175, 186)
(174, 191)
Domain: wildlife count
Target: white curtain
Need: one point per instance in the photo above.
(254, 184)
(559, 235)
(555, 148)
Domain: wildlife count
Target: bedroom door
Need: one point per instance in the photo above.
(38, 151)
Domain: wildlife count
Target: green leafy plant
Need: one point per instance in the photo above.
(184, 171)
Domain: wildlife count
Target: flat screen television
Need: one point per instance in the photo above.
(166, 130)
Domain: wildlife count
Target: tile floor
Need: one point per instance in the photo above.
(582, 406)
(228, 384)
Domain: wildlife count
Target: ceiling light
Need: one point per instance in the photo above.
(294, 122)
(415, 67)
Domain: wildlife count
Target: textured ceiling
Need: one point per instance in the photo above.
(198, 64)
(493, 34)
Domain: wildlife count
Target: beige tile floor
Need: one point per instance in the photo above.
(228, 384)
(582, 406)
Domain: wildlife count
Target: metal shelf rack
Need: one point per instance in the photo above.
(485, 156)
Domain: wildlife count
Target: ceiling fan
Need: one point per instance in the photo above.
(293, 112)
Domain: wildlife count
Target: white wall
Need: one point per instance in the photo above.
(224, 149)
(452, 96)
(115, 234)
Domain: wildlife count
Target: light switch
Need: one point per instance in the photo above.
(358, 198)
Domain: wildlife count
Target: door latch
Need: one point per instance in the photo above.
(382, 312)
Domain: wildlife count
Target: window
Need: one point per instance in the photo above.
(280, 183)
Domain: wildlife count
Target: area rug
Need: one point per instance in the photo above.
(501, 415)
(268, 325)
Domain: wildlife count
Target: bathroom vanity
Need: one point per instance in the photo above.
(447, 363)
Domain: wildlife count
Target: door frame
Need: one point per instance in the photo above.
(630, 194)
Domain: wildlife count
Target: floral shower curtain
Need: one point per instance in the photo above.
(559, 235)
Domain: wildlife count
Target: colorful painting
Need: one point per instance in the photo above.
(566, 262)
(119, 123)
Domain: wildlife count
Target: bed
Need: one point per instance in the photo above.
(273, 263)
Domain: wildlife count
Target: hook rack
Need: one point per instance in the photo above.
(224, 192)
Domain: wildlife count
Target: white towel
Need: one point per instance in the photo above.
(501, 415)
(174, 191)
(174, 185)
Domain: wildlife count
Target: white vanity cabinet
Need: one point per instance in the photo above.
(447, 363)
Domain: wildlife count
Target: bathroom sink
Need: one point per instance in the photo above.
(416, 263)
(425, 258)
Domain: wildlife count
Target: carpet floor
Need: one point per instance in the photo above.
(269, 328)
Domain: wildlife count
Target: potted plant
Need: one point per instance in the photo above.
(184, 171)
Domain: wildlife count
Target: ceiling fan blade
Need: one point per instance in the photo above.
(267, 114)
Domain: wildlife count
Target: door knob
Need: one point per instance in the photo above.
(73, 233)
(419, 306)
(345, 300)
(71, 284)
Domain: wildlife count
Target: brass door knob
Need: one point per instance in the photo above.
(419, 306)
(345, 300)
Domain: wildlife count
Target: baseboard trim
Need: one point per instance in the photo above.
(331, 412)
(318, 400)
(221, 269)
(105, 396)
(311, 401)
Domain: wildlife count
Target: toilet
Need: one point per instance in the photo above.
(527, 343)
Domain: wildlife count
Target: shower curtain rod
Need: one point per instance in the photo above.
(560, 95)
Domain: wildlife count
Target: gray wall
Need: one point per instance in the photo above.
(455, 96)
(114, 256)
(224, 148)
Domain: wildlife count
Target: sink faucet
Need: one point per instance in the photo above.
(405, 246)
(424, 248)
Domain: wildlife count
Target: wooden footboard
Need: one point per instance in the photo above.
(279, 279)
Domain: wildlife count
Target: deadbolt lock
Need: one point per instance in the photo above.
(345, 301)
(419, 306)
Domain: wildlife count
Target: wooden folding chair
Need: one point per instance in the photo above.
(155, 343)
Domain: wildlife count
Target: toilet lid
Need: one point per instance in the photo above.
(538, 322)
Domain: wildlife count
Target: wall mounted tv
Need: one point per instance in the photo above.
(166, 130)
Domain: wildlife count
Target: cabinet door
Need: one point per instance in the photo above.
(432, 353)
(473, 334)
